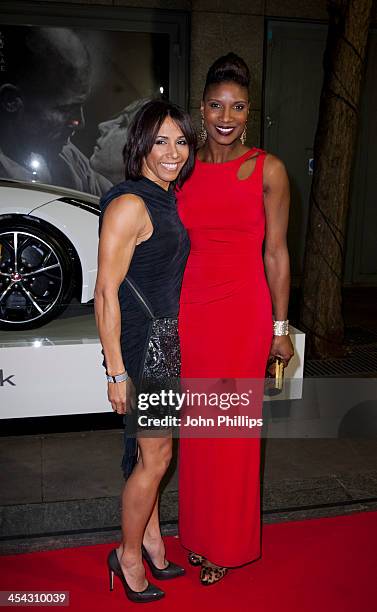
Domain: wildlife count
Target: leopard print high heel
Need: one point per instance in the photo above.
(210, 575)
(195, 559)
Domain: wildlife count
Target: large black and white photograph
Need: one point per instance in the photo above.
(67, 97)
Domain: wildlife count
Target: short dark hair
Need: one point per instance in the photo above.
(228, 68)
(142, 134)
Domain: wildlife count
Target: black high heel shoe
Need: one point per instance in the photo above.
(172, 570)
(151, 593)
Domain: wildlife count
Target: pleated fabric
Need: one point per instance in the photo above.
(155, 271)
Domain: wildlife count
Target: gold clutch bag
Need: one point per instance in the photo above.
(274, 376)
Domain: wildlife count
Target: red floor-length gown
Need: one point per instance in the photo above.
(225, 326)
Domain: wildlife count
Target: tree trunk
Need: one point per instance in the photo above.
(334, 146)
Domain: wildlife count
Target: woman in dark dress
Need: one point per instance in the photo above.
(142, 253)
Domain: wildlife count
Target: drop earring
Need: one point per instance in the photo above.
(203, 132)
(243, 135)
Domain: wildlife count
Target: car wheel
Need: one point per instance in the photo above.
(36, 275)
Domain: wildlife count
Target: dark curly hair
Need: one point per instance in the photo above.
(143, 131)
(228, 68)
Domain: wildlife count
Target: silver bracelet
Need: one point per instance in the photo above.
(117, 378)
(281, 328)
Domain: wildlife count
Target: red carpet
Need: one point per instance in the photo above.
(316, 565)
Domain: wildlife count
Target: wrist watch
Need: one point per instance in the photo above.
(117, 378)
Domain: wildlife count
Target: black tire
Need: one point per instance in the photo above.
(30, 294)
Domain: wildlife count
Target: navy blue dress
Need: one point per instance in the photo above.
(149, 294)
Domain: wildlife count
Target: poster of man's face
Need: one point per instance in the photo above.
(67, 97)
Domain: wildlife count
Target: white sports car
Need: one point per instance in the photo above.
(48, 251)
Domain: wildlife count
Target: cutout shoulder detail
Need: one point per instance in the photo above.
(248, 166)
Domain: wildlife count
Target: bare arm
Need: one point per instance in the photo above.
(276, 257)
(125, 224)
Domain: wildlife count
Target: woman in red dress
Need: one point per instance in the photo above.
(233, 314)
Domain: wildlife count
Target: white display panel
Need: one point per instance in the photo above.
(52, 380)
(55, 370)
(61, 372)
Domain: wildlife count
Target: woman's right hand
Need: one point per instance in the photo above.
(121, 396)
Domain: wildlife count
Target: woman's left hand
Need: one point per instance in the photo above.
(282, 346)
